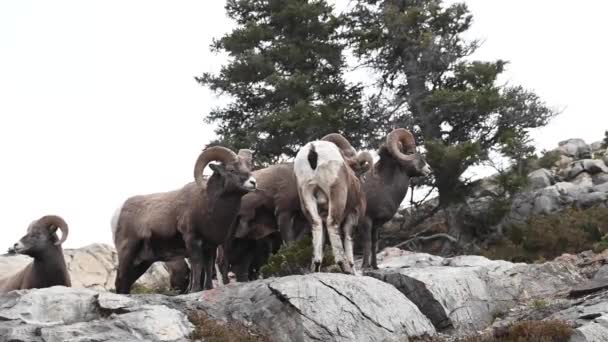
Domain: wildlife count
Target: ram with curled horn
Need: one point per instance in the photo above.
(42, 244)
(330, 195)
(189, 222)
(276, 208)
(386, 187)
(360, 162)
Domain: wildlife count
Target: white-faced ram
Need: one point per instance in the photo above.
(41, 243)
(190, 222)
(386, 187)
(330, 193)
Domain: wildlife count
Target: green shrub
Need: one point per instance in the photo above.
(207, 329)
(140, 289)
(548, 159)
(294, 258)
(539, 304)
(546, 237)
(602, 245)
(505, 249)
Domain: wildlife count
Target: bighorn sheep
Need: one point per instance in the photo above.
(41, 243)
(244, 256)
(330, 193)
(278, 191)
(179, 274)
(386, 187)
(190, 222)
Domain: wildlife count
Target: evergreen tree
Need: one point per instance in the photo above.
(285, 79)
(427, 83)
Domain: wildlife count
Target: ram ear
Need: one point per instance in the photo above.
(217, 168)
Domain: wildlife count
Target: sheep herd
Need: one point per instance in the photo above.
(238, 217)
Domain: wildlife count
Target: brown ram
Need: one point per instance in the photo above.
(41, 243)
(386, 187)
(190, 222)
(330, 195)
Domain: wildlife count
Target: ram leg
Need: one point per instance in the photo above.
(208, 263)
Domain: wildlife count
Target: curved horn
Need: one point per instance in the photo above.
(215, 153)
(54, 222)
(342, 144)
(405, 137)
(247, 156)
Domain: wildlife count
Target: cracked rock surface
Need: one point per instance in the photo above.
(466, 292)
(318, 307)
(315, 307)
(59, 314)
(413, 294)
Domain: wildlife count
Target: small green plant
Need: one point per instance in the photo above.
(496, 314)
(539, 304)
(141, 289)
(546, 237)
(548, 159)
(207, 329)
(294, 258)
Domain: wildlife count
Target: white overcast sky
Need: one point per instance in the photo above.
(98, 100)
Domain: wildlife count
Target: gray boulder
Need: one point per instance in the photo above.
(58, 314)
(572, 171)
(548, 200)
(563, 162)
(605, 159)
(601, 187)
(596, 331)
(594, 166)
(395, 257)
(589, 315)
(596, 146)
(583, 180)
(317, 307)
(599, 282)
(600, 178)
(450, 297)
(588, 200)
(322, 306)
(540, 178)
(576, 148)
(466, 292)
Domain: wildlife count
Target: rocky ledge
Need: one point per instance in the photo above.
(413, 294)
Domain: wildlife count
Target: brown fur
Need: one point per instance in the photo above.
(48, 268)
(277, 192)
(331, 196)
(190, 222)
(386, 188)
